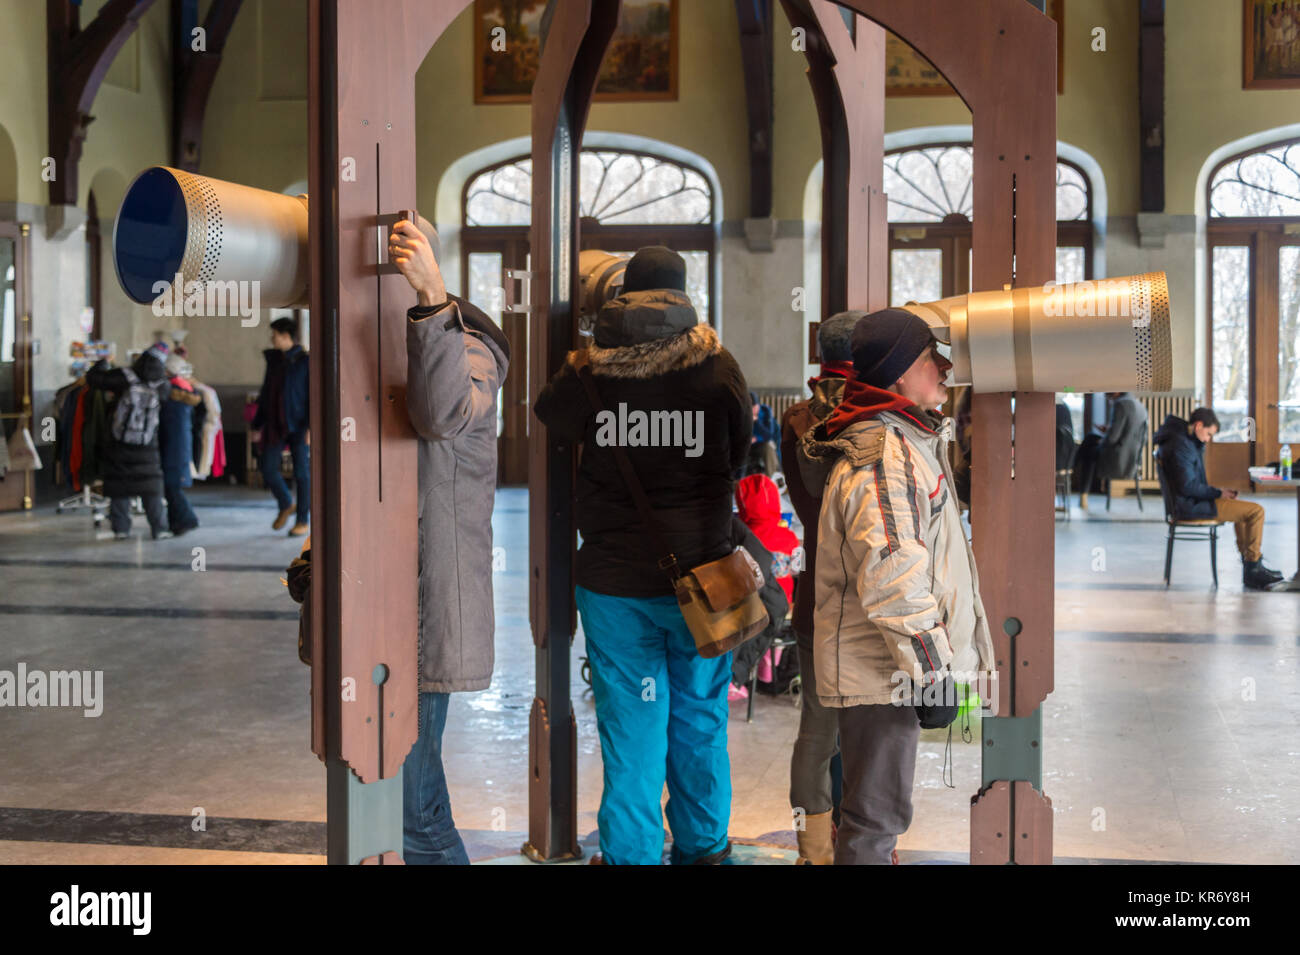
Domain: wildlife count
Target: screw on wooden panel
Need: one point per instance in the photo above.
(390, 126)
(367, 719)
(1000, 158)
(1026, 155)
(365, 122)
(989, 743)
(391, 398)
(999, 835)
(367, 397)
(1033, 743)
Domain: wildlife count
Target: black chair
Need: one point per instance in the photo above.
(1066, 450)
(1199, 529)
(1137, 488)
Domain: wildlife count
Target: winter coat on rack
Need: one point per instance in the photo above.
(130, 469)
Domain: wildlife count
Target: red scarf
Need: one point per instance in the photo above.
(838, 369)
(863, 402)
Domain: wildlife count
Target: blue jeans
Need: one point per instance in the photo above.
(661, 712)
(429, 832)
(301, 474)
(180, 515)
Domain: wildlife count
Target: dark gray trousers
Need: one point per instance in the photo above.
(878, 747)
(810, 761)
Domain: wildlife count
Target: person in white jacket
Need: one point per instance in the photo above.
(898, 614)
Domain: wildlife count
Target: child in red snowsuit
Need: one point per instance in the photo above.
(759, 503)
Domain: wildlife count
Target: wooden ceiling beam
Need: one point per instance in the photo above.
(194, 71)
(77, 62)
(756, 55)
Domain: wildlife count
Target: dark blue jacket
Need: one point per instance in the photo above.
(1183, 458)
(285, 385)
(176, 437)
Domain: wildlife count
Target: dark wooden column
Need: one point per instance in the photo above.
(1151, 103)
(756, 57)
(77, 61)
(1000, 57)
(364, 504)
(576, 33)
(846, 69)
(193, 72)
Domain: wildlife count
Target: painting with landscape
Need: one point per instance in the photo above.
(640, 64)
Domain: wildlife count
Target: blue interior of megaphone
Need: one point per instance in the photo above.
(149, 241)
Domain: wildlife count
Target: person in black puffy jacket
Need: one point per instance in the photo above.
(1181, 447)
(131, 468)
(676, 400)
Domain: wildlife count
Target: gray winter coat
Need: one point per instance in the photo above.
(453, 374)
(1118, 454)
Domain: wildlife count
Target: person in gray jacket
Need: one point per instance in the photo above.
(457, 359)
(1115, 453)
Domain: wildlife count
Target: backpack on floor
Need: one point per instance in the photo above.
(135, 420)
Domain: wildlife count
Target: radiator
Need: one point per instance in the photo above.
(1157, 408)
(779, 399)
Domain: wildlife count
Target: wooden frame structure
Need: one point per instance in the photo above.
(1000, 55)
(1013, 103)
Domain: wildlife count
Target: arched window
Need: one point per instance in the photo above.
(930, 192)
(1253, 244)
(931, 203)
(626, 200)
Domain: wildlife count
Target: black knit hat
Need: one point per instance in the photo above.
(655, 267)
(886, 343)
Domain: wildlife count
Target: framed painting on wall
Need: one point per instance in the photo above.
(908, 73)
(1270, 45)
(640, 64)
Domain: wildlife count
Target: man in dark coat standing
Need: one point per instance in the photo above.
(457, 359)
(128, 450)
(812, 761)
(1181, 447)
(283, 417)
(176, 445)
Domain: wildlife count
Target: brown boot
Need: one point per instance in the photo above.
(816, 847)
(298, 530)
(281, 519)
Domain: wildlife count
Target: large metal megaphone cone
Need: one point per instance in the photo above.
(1103, 335)
(207, 230)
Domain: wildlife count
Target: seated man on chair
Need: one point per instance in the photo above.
(1182, 453)
(1113, 454)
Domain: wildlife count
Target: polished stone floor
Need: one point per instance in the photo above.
(1171, 735)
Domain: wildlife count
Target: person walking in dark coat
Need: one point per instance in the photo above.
(677, 401)
(457, 359)
(176, 445)
(1181, 447)
(128, 449)
(283, 416)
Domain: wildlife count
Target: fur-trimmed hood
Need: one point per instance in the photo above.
(653, 358)
(637, 317)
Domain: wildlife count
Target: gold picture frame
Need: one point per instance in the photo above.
(1270, 45)
(640, 65)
